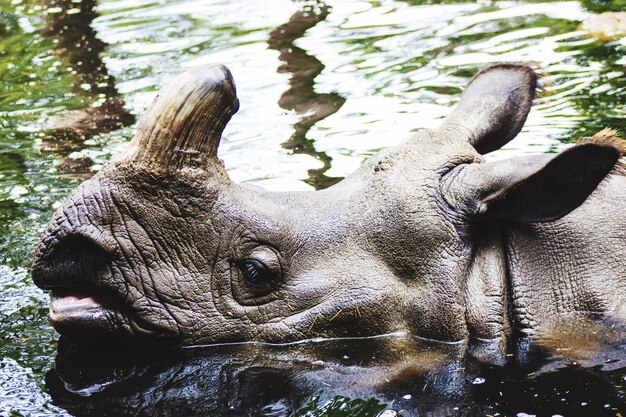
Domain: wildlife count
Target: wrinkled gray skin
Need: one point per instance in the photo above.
(425, 238)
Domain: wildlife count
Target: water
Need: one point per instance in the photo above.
(322, 87)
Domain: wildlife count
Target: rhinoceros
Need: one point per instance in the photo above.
(426, 238)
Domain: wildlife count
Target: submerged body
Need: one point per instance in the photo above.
(425, 238)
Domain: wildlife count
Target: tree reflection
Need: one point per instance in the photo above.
(301, 96)
(69, 24)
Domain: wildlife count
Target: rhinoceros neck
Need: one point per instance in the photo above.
(571, 265)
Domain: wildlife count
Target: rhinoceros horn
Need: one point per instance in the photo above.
(184, 124)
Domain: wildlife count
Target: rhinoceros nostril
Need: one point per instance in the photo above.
(74, 260)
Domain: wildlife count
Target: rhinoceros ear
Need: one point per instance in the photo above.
(533, 188)
(184, 124)
(494, 106)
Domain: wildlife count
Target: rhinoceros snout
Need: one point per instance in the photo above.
(76, 269)
(73, 260)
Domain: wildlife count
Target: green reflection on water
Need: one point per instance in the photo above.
(33, 86)
(602, 100)
(605, 5)
(32, 79)
(341, 406)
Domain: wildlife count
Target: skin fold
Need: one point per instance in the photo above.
(425, 238)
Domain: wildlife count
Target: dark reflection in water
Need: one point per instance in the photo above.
(359, 377)
(247, 380)
(69, 23)
(301, 96)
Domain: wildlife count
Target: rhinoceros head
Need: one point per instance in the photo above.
(162, 245)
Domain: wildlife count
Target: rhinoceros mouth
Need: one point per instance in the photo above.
(69, 303)
(83, 314)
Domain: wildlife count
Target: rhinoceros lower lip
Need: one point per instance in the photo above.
(70, 303)
(83, 314)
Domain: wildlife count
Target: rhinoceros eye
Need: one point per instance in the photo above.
(259, 274)
(255, 272)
